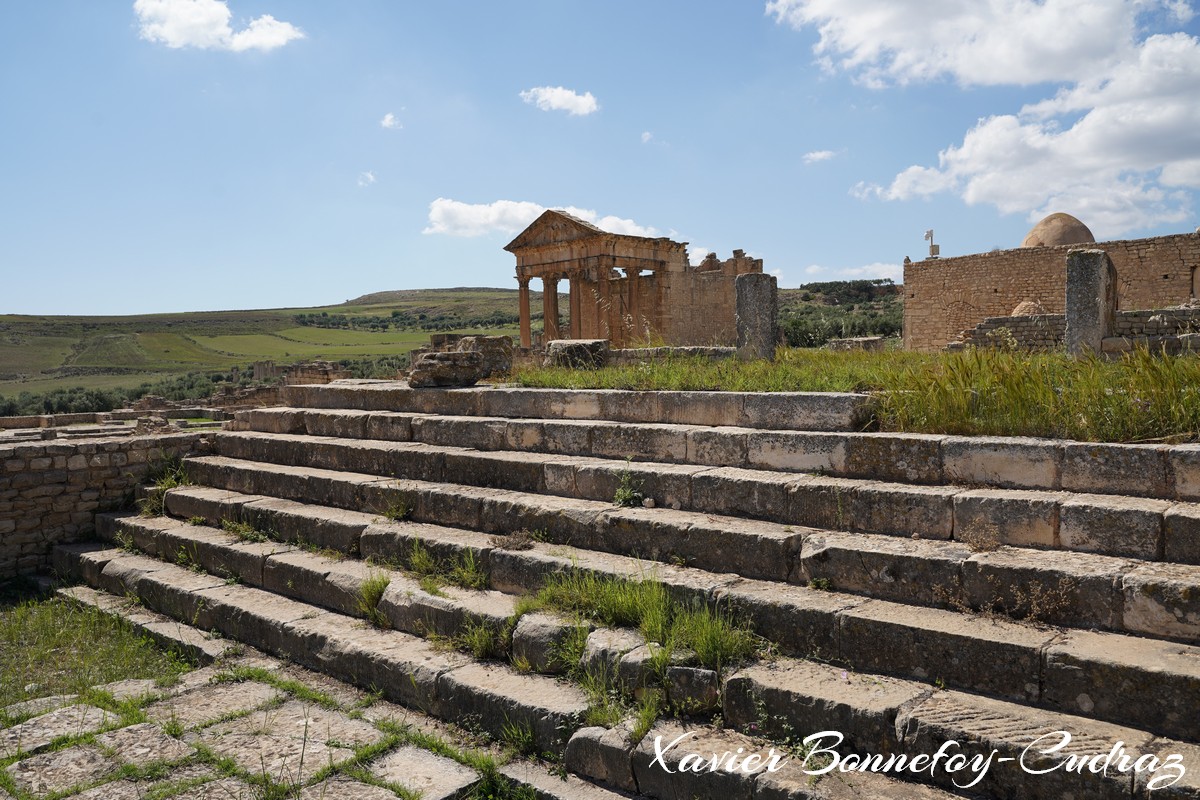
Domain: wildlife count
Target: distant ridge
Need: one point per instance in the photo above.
(379, 298)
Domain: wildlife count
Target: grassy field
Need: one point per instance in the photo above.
(44, 354)
(1140, 397)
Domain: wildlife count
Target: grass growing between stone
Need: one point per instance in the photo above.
(1139, 397)
(716, 639)
(56, 647)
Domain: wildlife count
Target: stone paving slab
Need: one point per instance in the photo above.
(283, 759)
(58, 771)
(224, 789)
(435, 777)
(342, 788)
(202, 706)
(137, 790)
(143, 744)
(297, 719)
(132, 689)
(34, 734)
(38, 705)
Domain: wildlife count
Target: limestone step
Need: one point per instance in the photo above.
(1128, 527)
(405, 668)
(1134, 680)
(410, 766)
(814, 411)
(1170, 472)
(865, 714)
(315, 578)
(1074, 589)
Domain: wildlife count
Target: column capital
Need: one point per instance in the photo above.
(522, 282)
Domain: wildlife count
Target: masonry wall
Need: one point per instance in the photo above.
(943, 297)
(50, 492)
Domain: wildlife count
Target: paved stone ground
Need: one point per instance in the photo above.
(247, 727)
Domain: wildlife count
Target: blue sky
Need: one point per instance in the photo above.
(166, 155)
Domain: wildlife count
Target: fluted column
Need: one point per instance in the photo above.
(526, 334)
(576, 309)
(633, 304)
(549, 309)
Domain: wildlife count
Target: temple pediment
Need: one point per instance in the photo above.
(553, 227)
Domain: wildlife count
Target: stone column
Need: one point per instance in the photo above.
(757, 309)
(604, 325)
(575, 306)
(549, 309)
(526, 335)
(1091, 300)
(633, 304)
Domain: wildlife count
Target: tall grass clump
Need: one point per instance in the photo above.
(1140, 397)
(716, 639)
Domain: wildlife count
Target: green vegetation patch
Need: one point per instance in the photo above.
(58, 647)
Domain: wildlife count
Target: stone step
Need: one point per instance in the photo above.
(1075, 589)
(813, 411)
(761, 770)
(405, 668)
(1128, 527)
(1170, 472)
(866, 714)
(1128, 679)
(332, 583)
(783, 699)
(435, 776)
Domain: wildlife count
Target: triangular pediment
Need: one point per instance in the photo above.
(553, 227)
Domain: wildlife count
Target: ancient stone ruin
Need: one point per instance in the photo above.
(945, 297)
(627, 289)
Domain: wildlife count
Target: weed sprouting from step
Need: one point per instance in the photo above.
(820, 584)
(397, 510)
(244, 531)
(982, 536)
(518, 737)
(468, 572)
(629, 489)
(369, 594)
(481, 640)
(465, 571)
(170, 475)
(197, 521)
(715, 638)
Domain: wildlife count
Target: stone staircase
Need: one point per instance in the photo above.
(909, 590)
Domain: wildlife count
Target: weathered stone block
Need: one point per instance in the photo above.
(1119, 526)
(1163, 600)
(797, 451)
(987, 518)
(1107, 469)
(756, 315)
(1091, 300)
(886, 567)
(1181, 534)
(603, 754)
(577, 353)
(446, 369)
(1002, 462)
(911, 457)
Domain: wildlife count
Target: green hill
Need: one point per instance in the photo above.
(40, 355)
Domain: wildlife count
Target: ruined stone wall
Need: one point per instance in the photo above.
(1047, 331)
(50, 492)
(700, 303)
(943, 297)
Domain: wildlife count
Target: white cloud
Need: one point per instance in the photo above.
(1118, 143)
(558, 98)
(455, 218)
(366, 178)
(204, 24)
(818, 155)
(646, 137)
(696, 255)
(1118, 151)
(1000, 42)
(390, 122)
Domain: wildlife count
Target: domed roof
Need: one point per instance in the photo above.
(1058, 229)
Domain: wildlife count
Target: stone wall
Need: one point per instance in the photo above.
(50, 492)
(1152, 327)
(945, 296)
